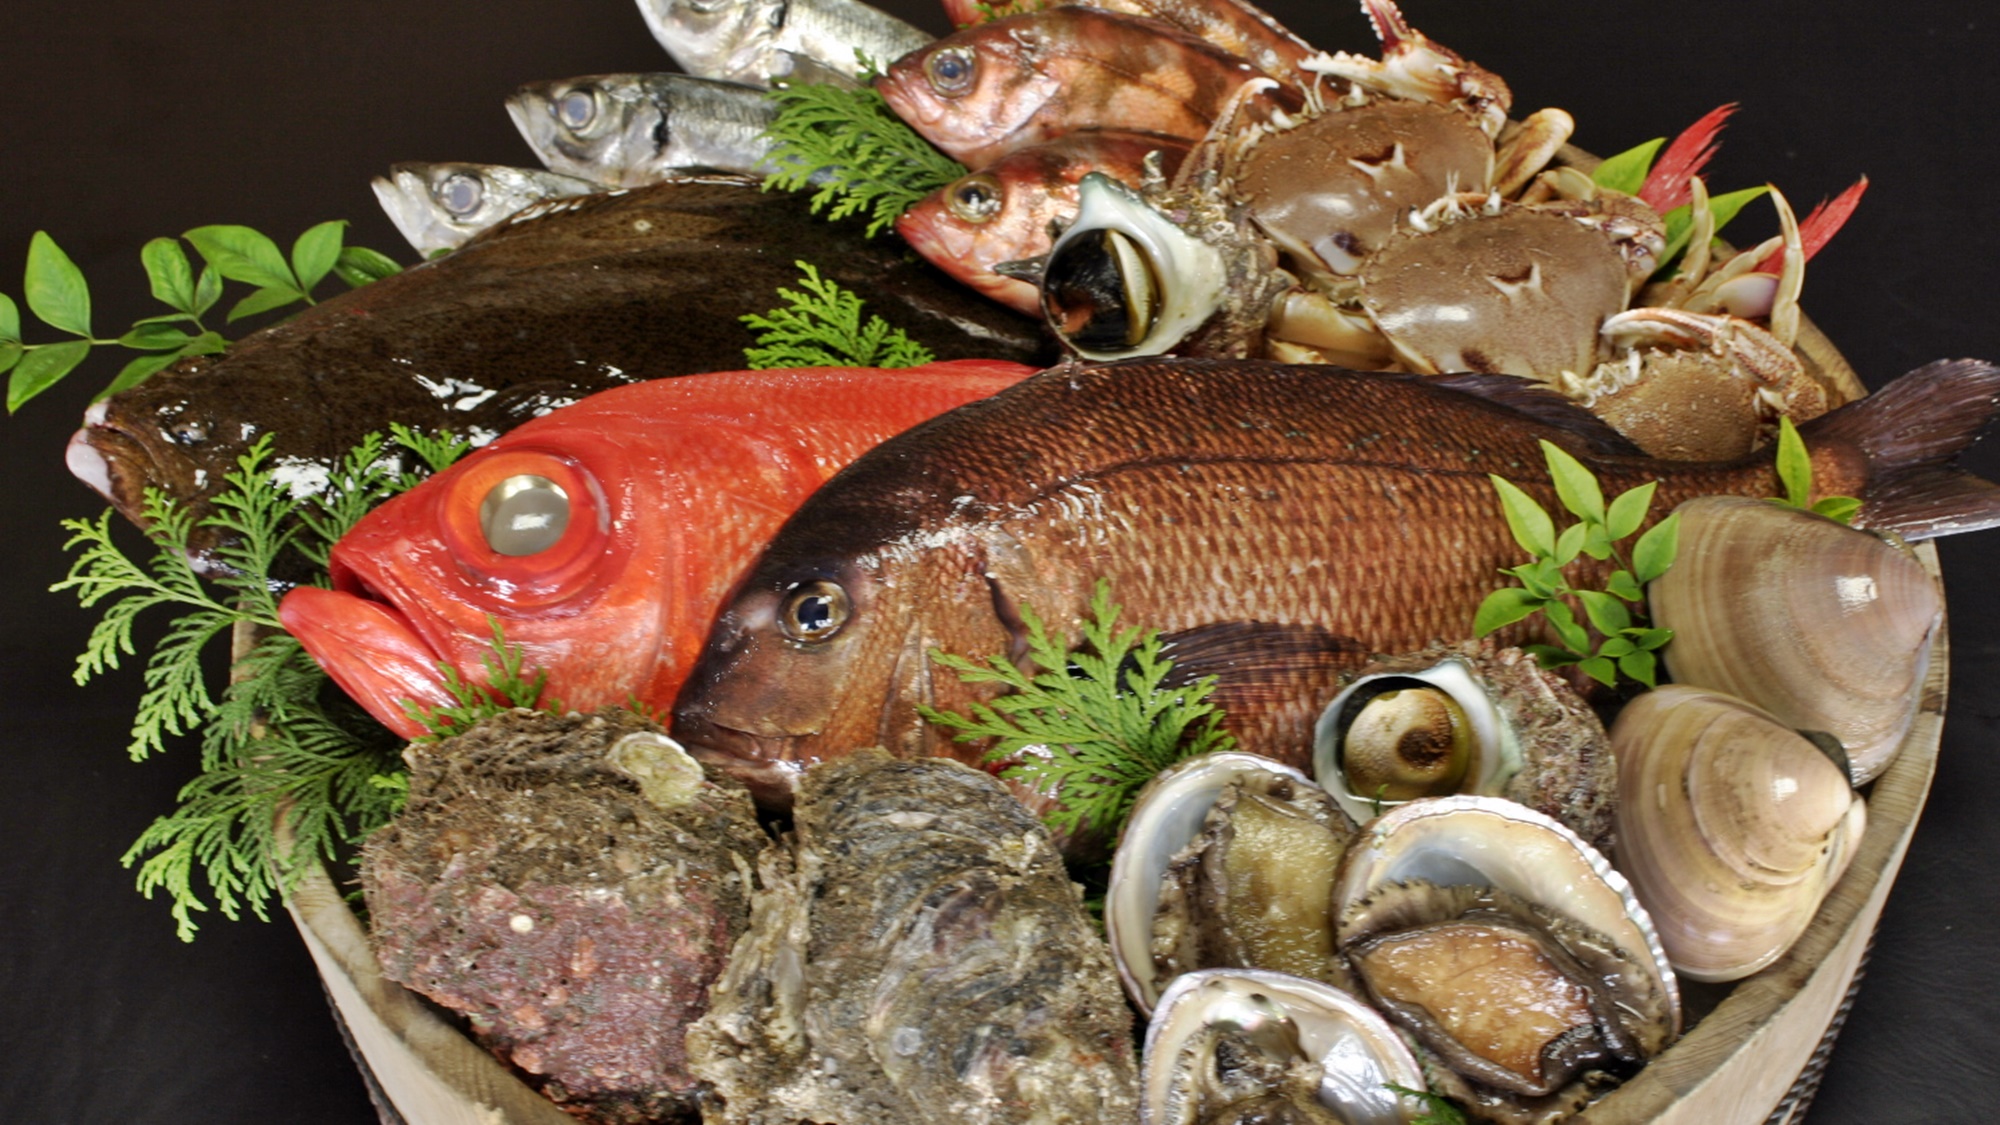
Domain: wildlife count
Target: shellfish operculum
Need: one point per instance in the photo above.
(1245, 1045)
(1731, 827)
(1826, 627)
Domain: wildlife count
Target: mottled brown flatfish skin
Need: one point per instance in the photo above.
(1277, 523)
(916, 954)
(538, 312)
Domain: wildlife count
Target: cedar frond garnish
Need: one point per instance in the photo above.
(822, 327)
(856, 154)
(508, 685)
(1094, 723)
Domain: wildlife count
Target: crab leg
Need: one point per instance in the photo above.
(1527, 148)
(1414, 67)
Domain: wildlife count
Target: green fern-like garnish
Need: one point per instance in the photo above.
(1094, 723)
(857, 155)
(508, 685)
(1437, 1110)
(276, 742)
(822, 327)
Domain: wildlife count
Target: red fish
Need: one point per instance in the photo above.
(1002, 214)
(601, 537)
(1236, 26)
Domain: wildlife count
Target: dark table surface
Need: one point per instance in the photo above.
(126, 120)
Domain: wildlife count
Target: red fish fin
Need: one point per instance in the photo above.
(1544, 404)
(1818, 228)
(1259, 662)
(1666, 185)
(1909, 435)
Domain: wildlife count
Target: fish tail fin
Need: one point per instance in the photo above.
(1910, 435)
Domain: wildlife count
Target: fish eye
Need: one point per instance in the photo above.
(1100, 293)
(460, 194)
(814, 611)
(706, 7)
(524, 515)
(974, 199)
(576, 109)
(951, 70)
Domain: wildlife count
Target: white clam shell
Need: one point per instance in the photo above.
(1469, 840)
(1826, 627)
(1731, 827)
(1359, 1053)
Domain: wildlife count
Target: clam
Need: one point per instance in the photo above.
(1226, 861)
(1244, 1045)
(1731, 827)
(1466, 718)
(1826, 627)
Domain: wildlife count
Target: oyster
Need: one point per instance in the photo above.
(1467, 718)
(1824, 626)
(571, 884)
(916, 953)
(1731, 826)
(1244, 1046)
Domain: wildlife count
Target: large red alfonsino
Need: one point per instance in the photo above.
(601, 538)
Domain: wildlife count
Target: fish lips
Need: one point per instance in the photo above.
(371, 650)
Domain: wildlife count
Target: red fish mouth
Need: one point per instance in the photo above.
(368, 647)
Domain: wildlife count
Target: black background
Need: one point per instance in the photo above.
(126, 120)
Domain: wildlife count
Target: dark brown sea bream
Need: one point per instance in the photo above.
(1277, 524)
(916, 954)
(565, 299)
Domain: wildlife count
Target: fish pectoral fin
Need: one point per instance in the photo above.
(902, 730)
(1260, 662)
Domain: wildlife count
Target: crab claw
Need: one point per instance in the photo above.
(1414, 67)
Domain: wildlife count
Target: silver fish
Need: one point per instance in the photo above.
(625, 130)
(439, 206)
(760, 40)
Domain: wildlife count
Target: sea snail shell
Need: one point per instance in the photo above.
(1731, 827)
(1826, 627)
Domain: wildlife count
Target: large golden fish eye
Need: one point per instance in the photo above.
(951, 71)
(814, 611)
(974, 199)
(1100, 292)
(460, 194)
(524, 515)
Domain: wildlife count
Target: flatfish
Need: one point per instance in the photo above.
(916, 954)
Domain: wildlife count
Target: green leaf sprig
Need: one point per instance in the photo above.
(508, 685)
(1094, 723)
(1617, 612)
(1437, 1110)
(58, 295)
(822, 327)
(856, 155)
(1795, 473)
(275, 742)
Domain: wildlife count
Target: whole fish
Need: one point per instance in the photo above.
(1003, 212)
(440, 206)
(1236, 26)
(631, 129)
(569, 298)
(601, 538)
(1277, 524)
(994, 87)
(756, 41)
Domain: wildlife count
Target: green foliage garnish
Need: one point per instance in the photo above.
(822, 328)
(1093, 724)
(1626, 171)
(275, 742)
(1437, 1110)
(1795, 473)
(1618, 611)
(871, 162)
(57, 293)
(507, 686)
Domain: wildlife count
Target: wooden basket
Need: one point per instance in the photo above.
(1754, 1057)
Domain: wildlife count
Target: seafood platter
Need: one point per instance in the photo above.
(1276, 348)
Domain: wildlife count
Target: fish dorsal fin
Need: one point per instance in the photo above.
(1544, 404)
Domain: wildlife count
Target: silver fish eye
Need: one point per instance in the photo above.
(1100, 292)
(524, 515)
(576, 109)
(951, 70)
(814, 611)
(705, 7)
(974, 199)
(460, 194)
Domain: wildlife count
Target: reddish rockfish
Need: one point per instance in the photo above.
(603, 536)
(994, 87)
(1236, 26)
(1002, 214)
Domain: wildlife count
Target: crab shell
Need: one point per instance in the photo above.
(1534, 740)
(1357, 1053)
(1824, 626)
(1732, 827)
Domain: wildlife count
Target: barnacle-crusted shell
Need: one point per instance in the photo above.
(1533, 740)
(1245, 1036)
(1826, 627)
(1731, 827)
